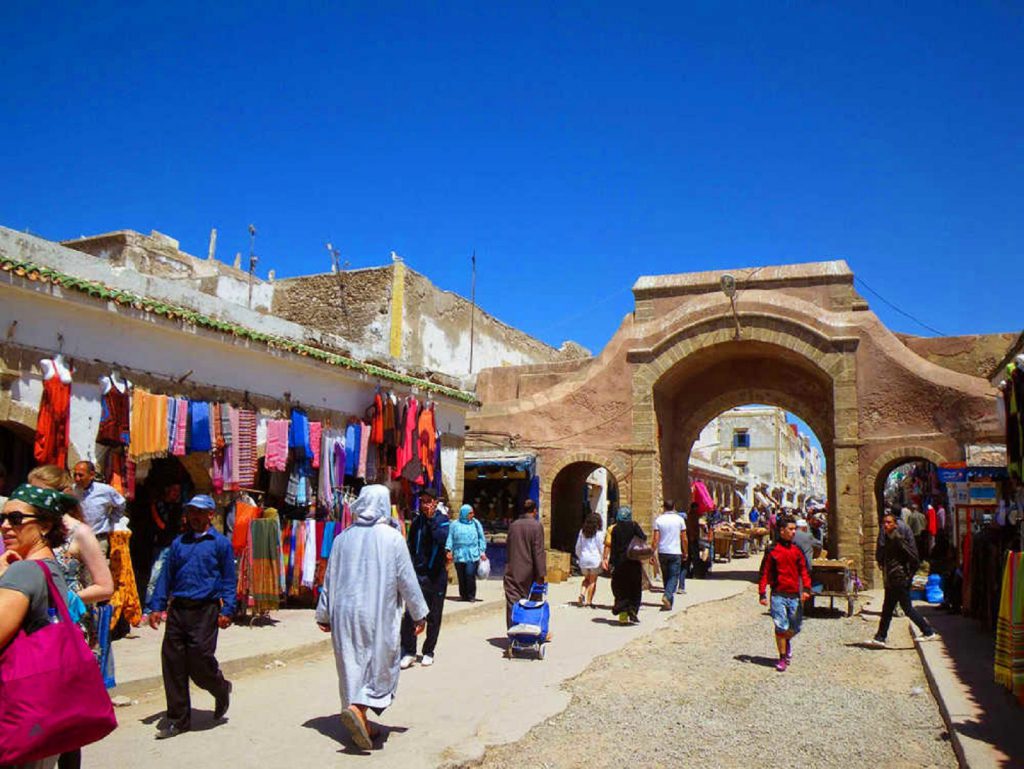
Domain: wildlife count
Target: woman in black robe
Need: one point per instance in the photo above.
(627, 574)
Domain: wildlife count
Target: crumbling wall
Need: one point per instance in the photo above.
(355, 305)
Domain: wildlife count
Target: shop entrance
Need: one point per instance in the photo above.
(579, 489)
(15, 454)
(155, 514)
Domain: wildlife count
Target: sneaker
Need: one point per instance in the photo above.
(932, 636)
(789, 651)
(877, 643)
(666, 604)
(427, 660)
(623, 618)
(634, 619)
(781, 665)
(407, 661)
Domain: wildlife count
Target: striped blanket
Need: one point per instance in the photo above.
(1009, 653)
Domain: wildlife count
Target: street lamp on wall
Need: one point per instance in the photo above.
(728, 285)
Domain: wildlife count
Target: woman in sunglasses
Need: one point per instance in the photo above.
(32, 526)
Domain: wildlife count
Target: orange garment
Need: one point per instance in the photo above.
(149, 426)
(125, 600)
(244, 515)
(427, 430)
(377, 423)
(51, 445)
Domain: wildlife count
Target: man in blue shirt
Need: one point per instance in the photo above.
(198, 583)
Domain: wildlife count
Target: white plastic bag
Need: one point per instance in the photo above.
(483, 568)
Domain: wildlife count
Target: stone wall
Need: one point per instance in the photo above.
(355, 305)
(976, 355)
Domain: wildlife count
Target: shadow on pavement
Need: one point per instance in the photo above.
(202, 720)
(970, 646)
(332, 728)
(765, 662)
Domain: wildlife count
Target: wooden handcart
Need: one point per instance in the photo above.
(838, 579)
(723, 539)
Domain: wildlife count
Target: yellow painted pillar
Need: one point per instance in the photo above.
(397, 306)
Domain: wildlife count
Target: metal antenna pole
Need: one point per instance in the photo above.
(472, 314)
(252, 259)
(339, 269)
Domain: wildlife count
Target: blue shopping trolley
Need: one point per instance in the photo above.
(531, 620)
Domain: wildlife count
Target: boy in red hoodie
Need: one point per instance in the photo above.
(785, 569)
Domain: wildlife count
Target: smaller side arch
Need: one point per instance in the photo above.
(618, 470)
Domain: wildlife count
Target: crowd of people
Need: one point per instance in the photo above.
(381, 591)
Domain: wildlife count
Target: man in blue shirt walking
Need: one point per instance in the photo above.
(198, 583)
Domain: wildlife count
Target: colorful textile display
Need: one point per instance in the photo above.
(51, 443)
(276, 459)
(246, 448)
(125, 601)
(1009, 653)
(148, 426)
(265, 581)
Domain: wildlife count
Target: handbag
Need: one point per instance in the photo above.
(52, 698)
(638, 549)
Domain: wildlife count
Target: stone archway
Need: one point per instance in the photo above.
(889, 461)
(703, 370)
(556, 510)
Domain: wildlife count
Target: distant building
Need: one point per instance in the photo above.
(776, 461)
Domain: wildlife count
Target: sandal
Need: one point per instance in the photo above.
(356, 725)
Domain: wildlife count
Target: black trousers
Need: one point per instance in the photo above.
(434, 594)
(190, 642)
(900, 595)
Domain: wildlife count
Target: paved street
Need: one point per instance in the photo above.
(469, 698)
(700, 675)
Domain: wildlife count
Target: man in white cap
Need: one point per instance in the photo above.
(196, 595)
(369, 574)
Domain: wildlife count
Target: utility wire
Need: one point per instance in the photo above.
(897, 309)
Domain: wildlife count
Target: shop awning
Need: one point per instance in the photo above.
(500, 465)
(763, 500)
(519, 462)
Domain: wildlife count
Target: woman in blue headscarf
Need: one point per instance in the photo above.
(627, 574)
(466, 546)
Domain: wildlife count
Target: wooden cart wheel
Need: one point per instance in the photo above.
(540, 652)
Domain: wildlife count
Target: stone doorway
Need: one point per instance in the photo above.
(575, 492)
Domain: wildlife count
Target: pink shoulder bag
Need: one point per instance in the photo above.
(52, 698)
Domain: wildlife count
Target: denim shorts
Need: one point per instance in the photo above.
(787, 614)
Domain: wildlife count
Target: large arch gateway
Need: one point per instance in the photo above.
(795, 336)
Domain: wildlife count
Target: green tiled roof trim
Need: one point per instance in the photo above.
(98, 290)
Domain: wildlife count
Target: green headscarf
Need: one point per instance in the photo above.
(50, 500)
(624, 514)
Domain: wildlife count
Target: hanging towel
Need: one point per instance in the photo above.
(246, 445)
(277, 445)
(180, 427)
(364, 449)
(325, 549)
(309, 554)
(225, 423)
(235, 454)
(351, 449)
(315, 437)
(199, 417)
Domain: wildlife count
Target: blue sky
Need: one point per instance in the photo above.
(574, 146)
